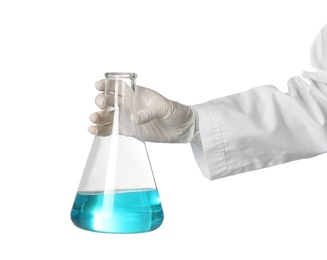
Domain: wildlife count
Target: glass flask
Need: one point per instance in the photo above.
(117, 192)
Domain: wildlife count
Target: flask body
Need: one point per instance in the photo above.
(117, 192)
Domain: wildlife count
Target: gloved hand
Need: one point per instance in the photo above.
(161, 119)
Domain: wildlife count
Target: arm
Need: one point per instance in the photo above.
(263, 126)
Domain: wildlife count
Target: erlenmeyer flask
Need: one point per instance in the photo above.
(117, 192)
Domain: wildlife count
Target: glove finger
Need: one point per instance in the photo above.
(102, 117)
(111, 100)
(108, 129)
(100, 85)
(104, 130)
(113, 86)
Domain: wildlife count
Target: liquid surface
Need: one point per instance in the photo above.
(131, 211)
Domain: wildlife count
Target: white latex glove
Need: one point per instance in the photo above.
(161, 119)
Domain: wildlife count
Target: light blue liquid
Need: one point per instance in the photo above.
(130, 211)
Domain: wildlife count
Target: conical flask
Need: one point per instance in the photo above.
(117, 192)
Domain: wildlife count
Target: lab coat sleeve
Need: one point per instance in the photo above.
(263, 126)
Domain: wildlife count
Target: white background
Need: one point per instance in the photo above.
(51, 52)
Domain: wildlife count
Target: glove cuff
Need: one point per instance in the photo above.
(196, 136)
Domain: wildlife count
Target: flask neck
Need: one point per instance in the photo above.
(127, 77)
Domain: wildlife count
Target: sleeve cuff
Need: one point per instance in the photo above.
(210, 155)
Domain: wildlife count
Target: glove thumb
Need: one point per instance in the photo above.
(145, 115)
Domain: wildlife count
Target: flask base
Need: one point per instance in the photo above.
(127, 211)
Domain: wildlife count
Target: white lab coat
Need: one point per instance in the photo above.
(262, 127)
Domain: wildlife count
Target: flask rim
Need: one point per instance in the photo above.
(128, 75)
